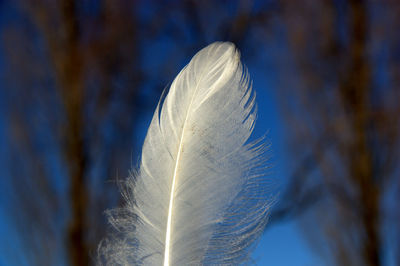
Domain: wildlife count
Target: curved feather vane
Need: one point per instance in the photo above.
(200, 196)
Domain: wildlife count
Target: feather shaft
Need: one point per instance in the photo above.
(172, 193)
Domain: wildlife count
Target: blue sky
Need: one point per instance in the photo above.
(282, 243)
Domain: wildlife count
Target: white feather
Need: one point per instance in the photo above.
(200, 196)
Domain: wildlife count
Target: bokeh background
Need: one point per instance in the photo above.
(79, 81)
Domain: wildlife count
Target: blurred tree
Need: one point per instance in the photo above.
(72, 106)
(343, 114)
